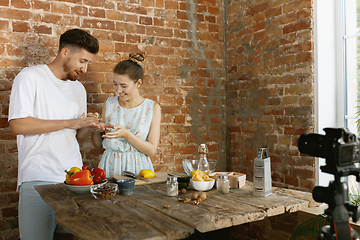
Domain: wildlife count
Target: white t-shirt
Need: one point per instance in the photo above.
(36, 92)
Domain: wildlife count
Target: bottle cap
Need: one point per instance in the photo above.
(203, 148)
(223, 176)
(172, 178)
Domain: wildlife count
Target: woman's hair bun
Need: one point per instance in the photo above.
(136, 57)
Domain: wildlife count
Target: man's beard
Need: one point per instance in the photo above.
(70, 74)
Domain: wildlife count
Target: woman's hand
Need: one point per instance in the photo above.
(120, 131)
(98, 126)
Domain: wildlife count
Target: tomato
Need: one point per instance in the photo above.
(99, 175)
(82, 177)
(85, 167)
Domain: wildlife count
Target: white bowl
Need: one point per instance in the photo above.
(202, 186)
(80, 189)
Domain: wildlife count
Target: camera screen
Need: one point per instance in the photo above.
(346, 155)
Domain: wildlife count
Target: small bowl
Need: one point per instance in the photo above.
(190, 165)
(81, 189)
(126, 186)
(202, 186)
(183, 182)
(104, 191)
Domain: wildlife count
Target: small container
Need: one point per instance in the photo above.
(104, 191)
(223, 183)
(172, 186)
(126, 186)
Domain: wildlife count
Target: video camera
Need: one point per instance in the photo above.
(340, 148)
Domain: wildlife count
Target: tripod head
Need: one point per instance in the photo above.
(340, 148)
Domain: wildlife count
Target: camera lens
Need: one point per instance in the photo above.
(312, 144)
(321, 194)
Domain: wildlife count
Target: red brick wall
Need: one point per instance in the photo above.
(270, 87)
(263, 98)
(183, 43)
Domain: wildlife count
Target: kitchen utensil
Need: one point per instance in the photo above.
(262, 174)
(133, 175)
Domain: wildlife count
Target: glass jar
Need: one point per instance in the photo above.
(203, 164)
(172, 186)
(223, 183)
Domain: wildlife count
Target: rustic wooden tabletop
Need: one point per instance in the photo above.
(143, 215)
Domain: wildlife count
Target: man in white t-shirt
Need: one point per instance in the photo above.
(48, 114)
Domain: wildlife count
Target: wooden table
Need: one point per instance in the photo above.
(142, 215)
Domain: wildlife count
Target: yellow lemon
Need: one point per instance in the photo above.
(146, 173)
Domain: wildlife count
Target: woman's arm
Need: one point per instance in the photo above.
(148, 147)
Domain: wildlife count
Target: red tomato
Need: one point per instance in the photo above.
(85, 167)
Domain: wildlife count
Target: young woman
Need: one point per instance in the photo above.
(136, 134)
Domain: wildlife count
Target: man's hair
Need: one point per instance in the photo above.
(79, 38)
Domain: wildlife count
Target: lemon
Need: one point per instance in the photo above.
(146, 173)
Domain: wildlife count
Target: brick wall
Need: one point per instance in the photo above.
(254, 103)
(270, 87)
(183, 45)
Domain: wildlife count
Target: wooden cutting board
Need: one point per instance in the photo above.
(160, 177)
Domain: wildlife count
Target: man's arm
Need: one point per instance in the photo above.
(31, 125)
(83, 133)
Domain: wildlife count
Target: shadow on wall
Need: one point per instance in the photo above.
(35, 54)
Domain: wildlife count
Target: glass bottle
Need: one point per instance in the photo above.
(203, 164)
(172, 186)
(223, 183)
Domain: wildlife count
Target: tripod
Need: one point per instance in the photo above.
(338, 212)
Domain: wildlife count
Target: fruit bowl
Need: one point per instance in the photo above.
(81, 189)
(202, 185)
(192, 164)
(104, 191)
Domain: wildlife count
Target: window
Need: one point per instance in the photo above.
(351, 58)
(337, 70)
(351, 73)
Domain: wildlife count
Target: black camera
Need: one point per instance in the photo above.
(338, 146)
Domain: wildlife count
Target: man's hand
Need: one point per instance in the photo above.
(98, 126)
(83, 121)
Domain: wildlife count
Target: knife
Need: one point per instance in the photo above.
(133, 175)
